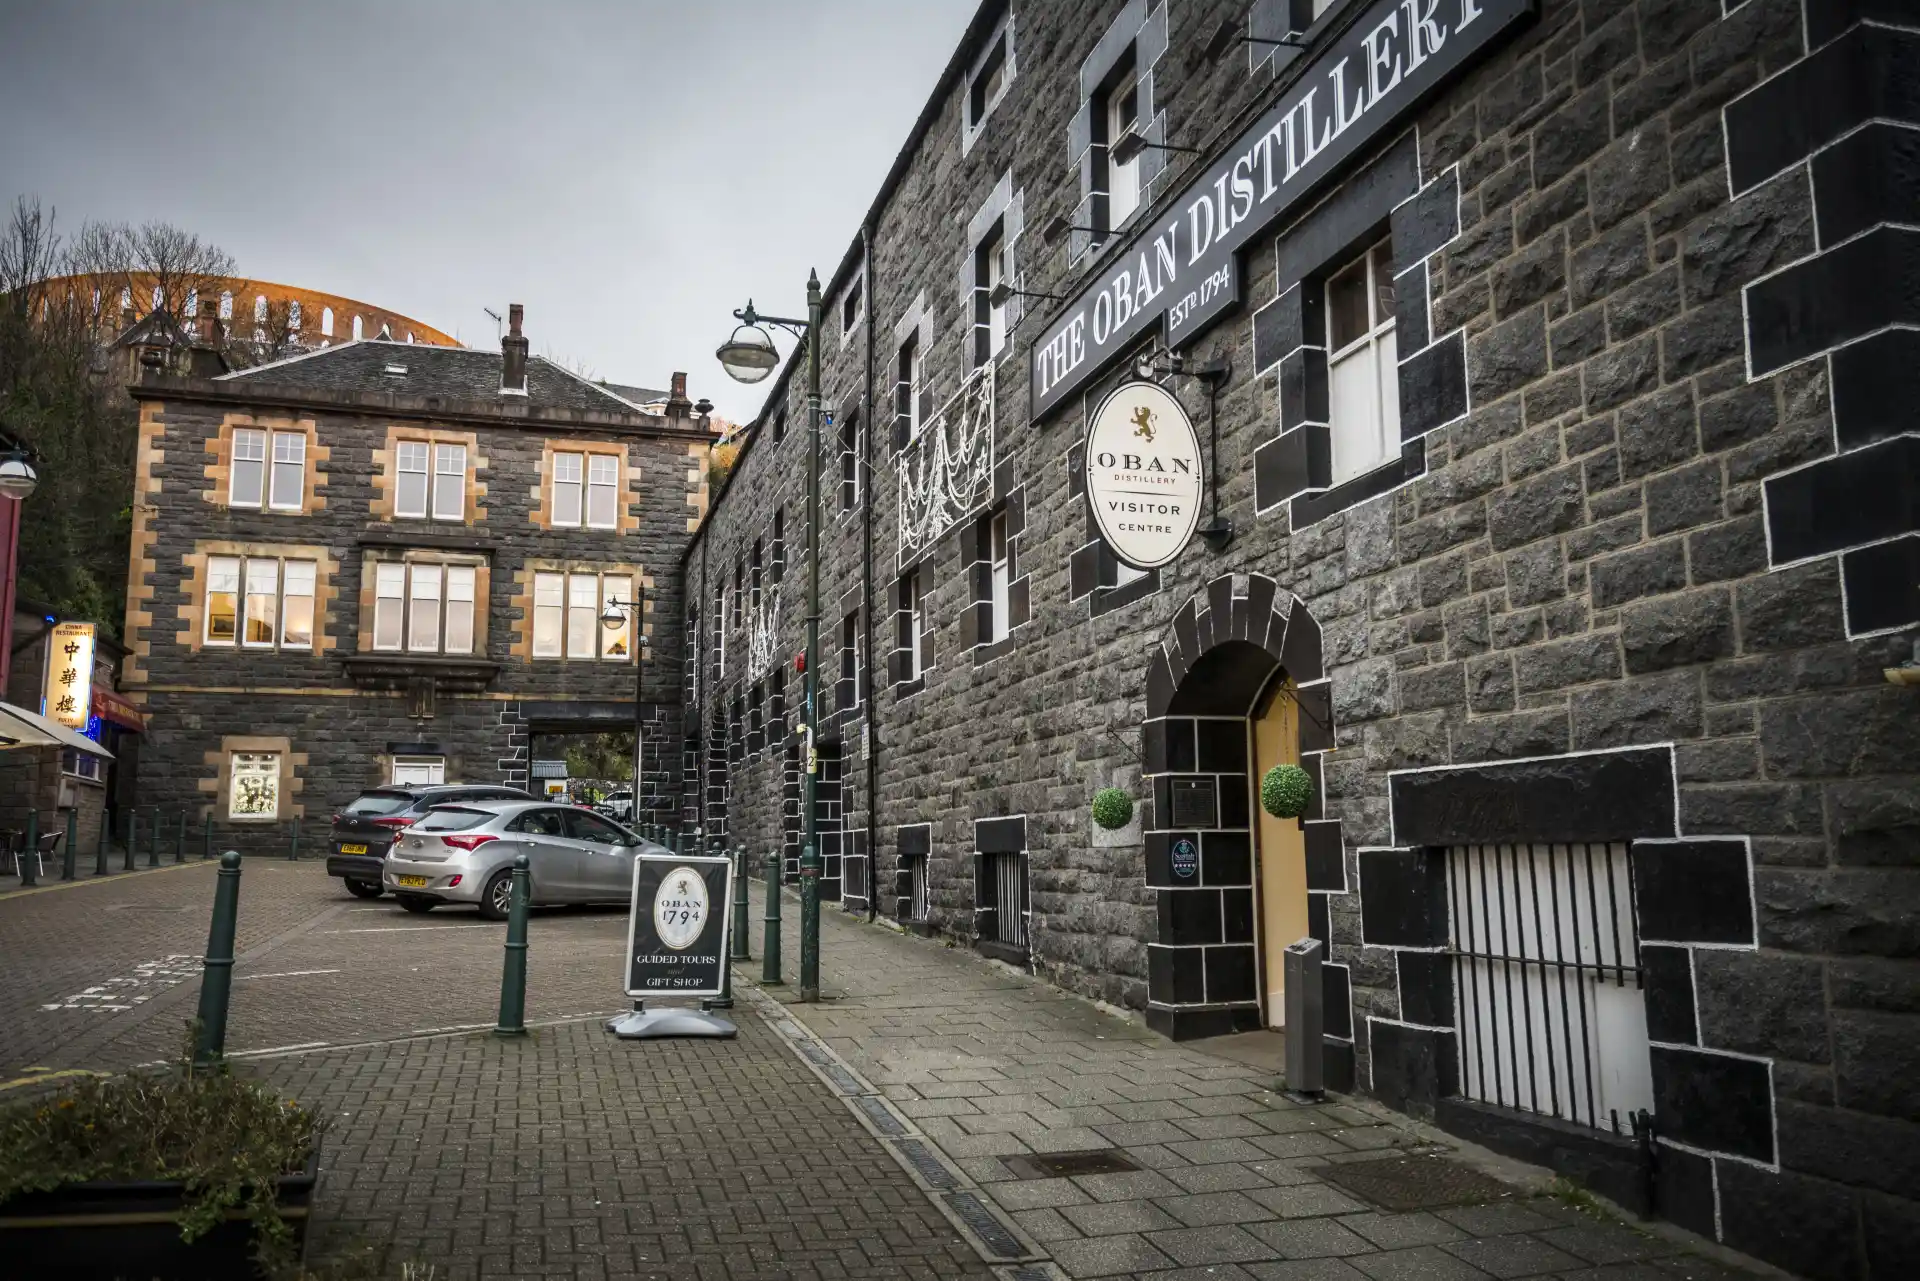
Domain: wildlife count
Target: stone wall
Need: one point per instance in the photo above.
(1572, 558)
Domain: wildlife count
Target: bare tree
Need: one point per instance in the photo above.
(154, 267)
(266, 333)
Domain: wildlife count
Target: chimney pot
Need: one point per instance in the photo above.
(515, 313)
(678, 406)
(513, 354)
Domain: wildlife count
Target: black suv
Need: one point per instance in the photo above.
(363, 832)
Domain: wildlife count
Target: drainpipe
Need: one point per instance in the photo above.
(866, 584)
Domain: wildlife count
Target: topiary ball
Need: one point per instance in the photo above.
(1286, 791)
(1112, 808)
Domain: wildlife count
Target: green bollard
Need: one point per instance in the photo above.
(153, 846)
(293, 850)
(724, 1001)
(206, 839)
(742, 931)
(133, 838)
(770, 968)
(24, 861)
(100, 867)
(70, 857)
(180, 839)
(216, 974)
(513, 972)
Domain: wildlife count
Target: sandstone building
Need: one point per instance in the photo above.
(389, 562)
(1551, 373)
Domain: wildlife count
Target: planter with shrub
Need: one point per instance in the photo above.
(185, 1173)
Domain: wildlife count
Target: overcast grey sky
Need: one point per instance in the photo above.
(631, 170)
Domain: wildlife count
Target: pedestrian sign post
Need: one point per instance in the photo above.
(678, 924)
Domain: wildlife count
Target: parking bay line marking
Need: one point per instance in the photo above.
(283, 974)
(414, 929)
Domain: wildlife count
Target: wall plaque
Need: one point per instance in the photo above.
(1194, 803)
(1186, 858)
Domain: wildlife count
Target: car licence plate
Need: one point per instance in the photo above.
(412, 882)
(353, 849)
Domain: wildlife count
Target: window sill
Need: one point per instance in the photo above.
(1107, 599)
(996, 950)
(907, 689)
(395, 671)
(987, 651)
(1310, 509)
(476, 541)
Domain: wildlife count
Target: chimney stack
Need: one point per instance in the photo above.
(513, 355)
(204, 358)
(678, 406)
(207, 327)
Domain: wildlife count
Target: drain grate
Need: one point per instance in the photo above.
(925, 1163)
(877, 1112)
(993, 1234)
(1414, 1182)
(1063, 1165)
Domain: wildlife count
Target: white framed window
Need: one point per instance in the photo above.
(253, 785)
(916, 626)
(260, 628)
(853, 305)
(449, 482)
(850, 655)
(989, 82)
(990, 316)
(603, 489)
(260, 602)
(359, 328)
(410, 479)
(999, 568)
(906, 394)
(424, 607)
(247, 476)
(567, 486)
(326, 322)
(1121, 109)
(78, 764)
(419, 771)
(289, 479)
(566, 616)
(1363, 365)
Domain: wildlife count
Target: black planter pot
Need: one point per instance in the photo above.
(130, 1232)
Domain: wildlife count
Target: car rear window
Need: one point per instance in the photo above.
(377, 803)
(452, 818)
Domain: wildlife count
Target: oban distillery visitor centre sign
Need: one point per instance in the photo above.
(1186, 268)
(1143, 474)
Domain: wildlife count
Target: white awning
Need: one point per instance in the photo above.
(22, 728)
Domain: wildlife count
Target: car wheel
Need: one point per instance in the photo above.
(365, 889)
(497, 898)
(414, 903)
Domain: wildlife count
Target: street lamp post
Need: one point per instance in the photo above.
(749, 356)
(619, 611)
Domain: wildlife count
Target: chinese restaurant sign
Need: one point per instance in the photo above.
(1187, 269)
(69, 692)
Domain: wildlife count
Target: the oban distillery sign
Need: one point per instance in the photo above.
(1187, 269)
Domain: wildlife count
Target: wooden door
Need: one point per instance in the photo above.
(1281, 845)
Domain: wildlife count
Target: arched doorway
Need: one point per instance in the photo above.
(1235, 687)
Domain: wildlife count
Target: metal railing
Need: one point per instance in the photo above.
(1007, 877)
(1547, 980)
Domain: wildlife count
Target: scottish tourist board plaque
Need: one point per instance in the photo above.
(1143, 474)
(677, 925)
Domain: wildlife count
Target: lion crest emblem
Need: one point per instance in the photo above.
(1143, 423)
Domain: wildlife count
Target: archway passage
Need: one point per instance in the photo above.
(1237, 686)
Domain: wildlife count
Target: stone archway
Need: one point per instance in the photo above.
(1223, 650)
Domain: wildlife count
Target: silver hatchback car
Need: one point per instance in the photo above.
(464, 854)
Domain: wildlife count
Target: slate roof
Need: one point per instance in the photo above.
(458, 373)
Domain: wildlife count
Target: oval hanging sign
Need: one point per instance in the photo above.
(1143, 475)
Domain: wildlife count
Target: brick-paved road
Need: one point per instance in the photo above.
(989, 1064)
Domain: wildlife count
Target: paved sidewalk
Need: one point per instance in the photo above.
(995, 1068)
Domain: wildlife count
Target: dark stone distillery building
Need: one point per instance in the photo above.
(1552, 367)
(389, 562)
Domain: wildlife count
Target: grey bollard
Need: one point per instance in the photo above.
(1306, 1018)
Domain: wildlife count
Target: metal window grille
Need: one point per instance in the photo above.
(917, 887)
(1008, 873)
(1547, 982)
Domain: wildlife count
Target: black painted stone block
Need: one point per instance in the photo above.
(1845, 501)
(1412, 316)
(1882, 585)
(1236, 913)
(1316, 716)
(1608, 1163)
(1226, 858)
(917, 839)
(1326, 857)
(1667, 977)
(1876, 384)
(1867, 178)
(1301, 654)
(1428, 221)
(1083, 570)
(1693, 891)
(1180, 750)
(1403, 898)
(1353, 215)
(1602, 796)
(1336, 1064)
(1158, 858)
(1230, 974)
(1684, 1190)
(1189, 916)
(1000, 835)
(1807, 1226)
(1286, 324)
(1290, 464)
(1309, 509)
(1187, 1023)
(1303, 388)
(1223, 746)
(1319, 919)
(1868, 74)
(1714, 1102)
(1235, 811)
(1827, 301)
(1433, 386)
(1336, 995)
(1412, 1067)
(1426, 987)
(1176, 975)
(1153, 746)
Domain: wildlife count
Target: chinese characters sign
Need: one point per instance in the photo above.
(69, 692)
